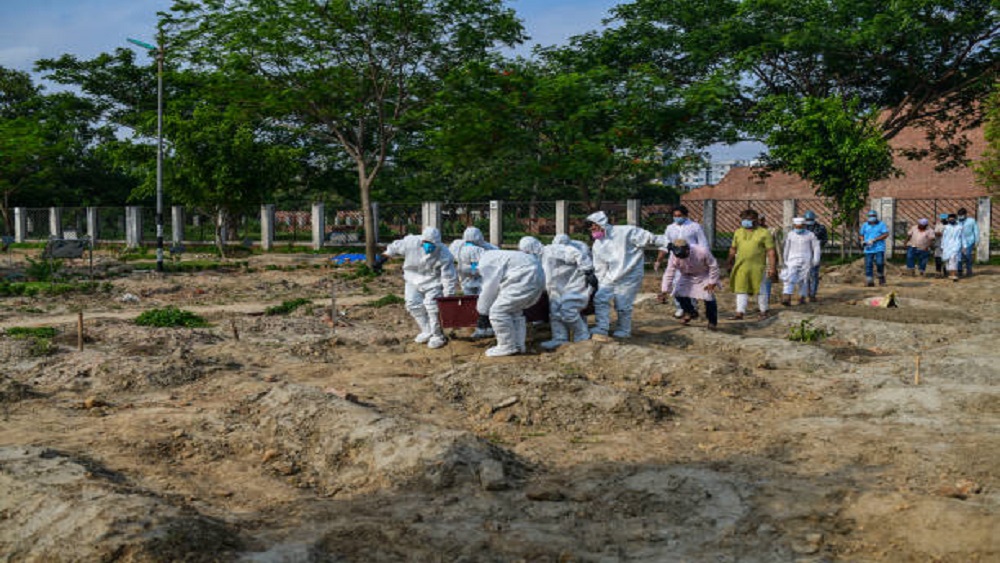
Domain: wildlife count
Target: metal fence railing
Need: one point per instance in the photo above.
(396, 220)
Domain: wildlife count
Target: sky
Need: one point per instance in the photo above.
(37, 29)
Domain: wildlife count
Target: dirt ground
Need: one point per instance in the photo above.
(299, 441)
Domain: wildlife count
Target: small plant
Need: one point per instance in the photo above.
(170, 317)
(390, 299)
(42, 270)
(365, 290)
(805, 331)
(21, 332)
(287, 307)
(362, 272)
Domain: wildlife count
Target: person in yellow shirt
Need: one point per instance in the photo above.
(752, 249)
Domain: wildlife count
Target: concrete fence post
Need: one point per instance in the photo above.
(887, 214)
(633, 211)
(708, 221)
(318, 226)
(55, 222)
(496, 222)
(93, 225)
(984, 215)
(133, 226)
(176, 224)
(267, 227)
(789, 208)
(431, 214)
(562, 217)
(20, 224)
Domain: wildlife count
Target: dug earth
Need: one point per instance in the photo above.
(296, 438)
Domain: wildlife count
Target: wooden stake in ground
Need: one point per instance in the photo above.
(236, 333)
(916, 375)
(79, 331)
(333, 309)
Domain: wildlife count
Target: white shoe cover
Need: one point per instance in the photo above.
(498, 351)
(437, 342)
(423, 337)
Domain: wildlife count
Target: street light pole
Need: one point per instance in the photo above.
(158, 49)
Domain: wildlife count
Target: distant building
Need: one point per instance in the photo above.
(711, 173)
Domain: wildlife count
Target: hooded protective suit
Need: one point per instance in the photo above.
(512, 282)
(565, 268)
(467, 252)
(619, 264)
(428, 275)
(564, 239)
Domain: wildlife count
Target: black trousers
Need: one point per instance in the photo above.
(711, 309)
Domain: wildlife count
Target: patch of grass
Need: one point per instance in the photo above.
(42, 270)
(805, 331)
(287, 307)
(385, 300)
(170, 317)
(20, 332)
(31, 289)
(361, 272)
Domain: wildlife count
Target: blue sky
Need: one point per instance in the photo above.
(37, 29)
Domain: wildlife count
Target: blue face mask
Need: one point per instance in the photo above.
(467, 243)
(428, 247)
(873, 220)
(474, 266)
(746, 224)
(679, 220)
(800, 230)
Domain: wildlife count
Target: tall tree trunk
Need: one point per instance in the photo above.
(364, 186)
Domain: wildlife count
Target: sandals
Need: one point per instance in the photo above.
(688, 317)
(736, 317)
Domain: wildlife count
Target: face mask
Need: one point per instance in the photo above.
(961, 217)
(428, 247)
(800, 231)
(873, 220)
(747, 224)
(810, 223)
(597, 235)
(679, 220)
(952, 221)
(473, 266)
(467, 243)
(681, 251)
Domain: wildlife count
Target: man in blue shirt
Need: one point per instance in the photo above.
(970, 237)
(872, 238)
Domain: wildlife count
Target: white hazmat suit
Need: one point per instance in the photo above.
(467, 251)
(566, 268)
(619, 264)
(512, 282)
(428, 275)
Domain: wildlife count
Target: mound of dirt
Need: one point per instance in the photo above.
(56, 508)
(565, 400)
(340, 447)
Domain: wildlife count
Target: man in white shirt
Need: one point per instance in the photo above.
(801, 255)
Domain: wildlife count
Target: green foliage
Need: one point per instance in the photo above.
(42, 270)
(21, 332)
(805, 331)
(361, 272)
(830, 142)
(31, 289)
(386, 300)
(170, 317)
(988, 167)
(287, 306)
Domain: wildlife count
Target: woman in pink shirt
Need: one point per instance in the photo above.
(692, 273)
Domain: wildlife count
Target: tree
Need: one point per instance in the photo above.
(913, 63)
(352, 73)
(830, 142)
(988, 168)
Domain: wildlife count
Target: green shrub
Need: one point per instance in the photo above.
(287, 307)
(20, 332)
(42, 270)
(806, 332)
(170, 317)
(390, 299)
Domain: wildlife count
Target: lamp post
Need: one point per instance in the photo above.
(158, 49)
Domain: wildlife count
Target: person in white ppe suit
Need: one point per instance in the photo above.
(618, 264)
(801, 255)
(467, 251)
(429, 273)
(512, 282)
(568, 271)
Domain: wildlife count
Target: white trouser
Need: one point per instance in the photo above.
(423, 306)
(623, 295)
(743, 299)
